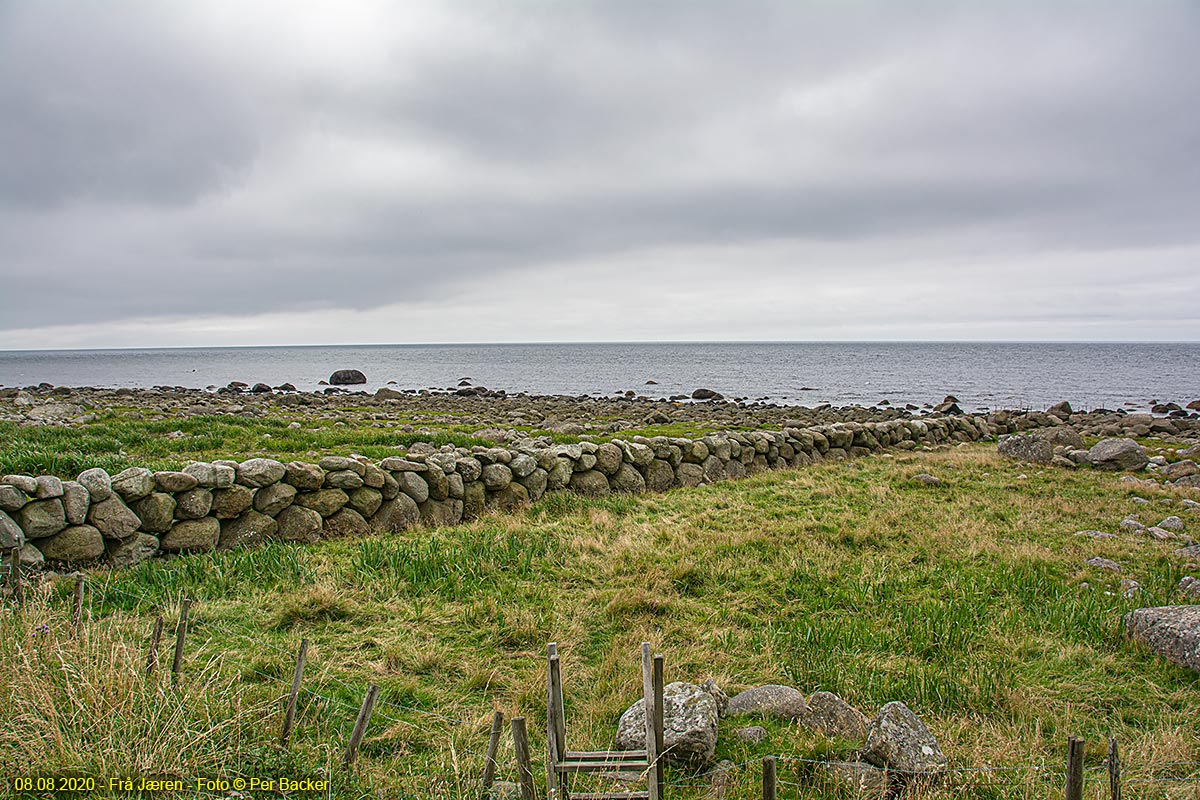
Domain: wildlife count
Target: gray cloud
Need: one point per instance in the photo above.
(160, 164)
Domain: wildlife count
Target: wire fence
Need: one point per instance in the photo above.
(1071, 776)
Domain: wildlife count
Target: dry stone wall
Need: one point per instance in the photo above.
(132, 516)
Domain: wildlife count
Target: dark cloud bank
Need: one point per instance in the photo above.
(246, 172)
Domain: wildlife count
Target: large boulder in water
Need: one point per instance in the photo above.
(1172, 632)
(347, 377)
(1122, 455)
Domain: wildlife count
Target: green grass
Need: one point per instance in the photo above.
(965, 601)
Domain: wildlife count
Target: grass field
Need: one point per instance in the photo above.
(966, 601)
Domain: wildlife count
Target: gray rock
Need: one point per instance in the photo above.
(627, 479)
(437, 513)
(132, 550)
(325, 502)
(1026, 447)
(1171, 523)
(133, 484)
(247, 530)
(174, 481)
(78, 543)
(48, 487)
(97, 482)
(339, 463)
(76, 502)
(497, 476)
(439, 483)
(1172, 632)
(772, 700)
(659, 475)
(590, 482)
(347, 377)
(1131, 524)
(1103, 563)
(42, 518)
(752, 734)
(31, 557)
(718, 695)
(469, 468)
(212, 476)
(395, 464)
(608, 458)
(1123, 455)
(413, 485)
(833, 716)
(926, 479)
(522, 465)
(365, 501)
(345, 523)
(474, 499)
(306, 477)
(270, 500)
(299, 524)
(113, 518)
(259, 472)
(510, 497)
(395, 515)
(156, 511)
(12, 498)
(1096, 534)
(689, 725)
(1180, 469)
(193, 504)
(1189, 586)
(898, 740)
(192, 535)
(228, 503)
(11, 534)
(344, 479)
(26, 483)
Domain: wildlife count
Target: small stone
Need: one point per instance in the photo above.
(259, 472)
(1103, 563)
(927, 479)
(133, 484)
(76, 502)
(174, 481)
(97, 482)
(305, 477)
(344, 479)
(133, 550)
(1171, 523)
(270, 500)
(48, 487)
(26, 483)
(12, 498)
(1096, 534)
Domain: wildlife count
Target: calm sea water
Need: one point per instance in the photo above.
(981, 375)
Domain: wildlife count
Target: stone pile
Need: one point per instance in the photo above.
(138, 513)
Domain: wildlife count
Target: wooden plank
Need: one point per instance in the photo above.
(155, 638)
(1075, 753)
(610, 796)
(554, 745)
(289, 717)
(601, 766)
(524, 768)
(360, 724)
(606, 755)
(489, 763)
(180, 636)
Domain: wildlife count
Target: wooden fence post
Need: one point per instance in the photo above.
(1075, 751)
(77, 611)
(360, 724)
(155, 637)
(524, 768)
(770, 784)
(14, 575)
(290, 717)
(1114, 770)
(185, 608)
(489, 765)
(659, 722)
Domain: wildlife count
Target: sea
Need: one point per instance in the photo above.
(980, 375)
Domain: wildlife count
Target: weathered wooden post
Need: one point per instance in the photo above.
(770, 782)
(360, 724)
(524, 767)
(1114, 770)
(77, 611)
(489, 764)
(1075, 751)
(290, 717)
(155, 638)
(180, 637)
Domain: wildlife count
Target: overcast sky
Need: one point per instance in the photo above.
(225, 172)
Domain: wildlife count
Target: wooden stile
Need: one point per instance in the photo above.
(289, 717)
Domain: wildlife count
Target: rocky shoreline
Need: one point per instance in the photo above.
(139, 513)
